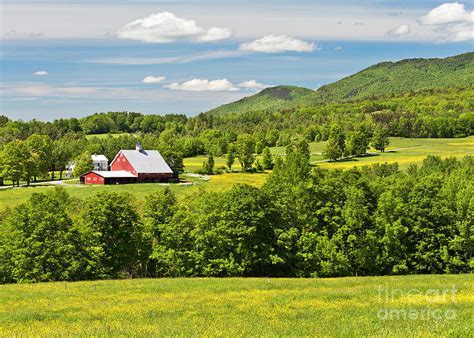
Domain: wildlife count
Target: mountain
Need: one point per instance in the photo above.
(382, 79)
(272, 98)
(388, 78)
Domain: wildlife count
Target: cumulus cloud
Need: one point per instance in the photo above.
(153, 79)
(464, 35)
(165, 27)
(252, 84)
(201, 85)
(40, 73)
(215, 34)
(222, 85)
(278, 43)
(399, 31)
(452, 20)
(447, 13)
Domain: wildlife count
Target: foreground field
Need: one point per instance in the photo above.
(401, 306)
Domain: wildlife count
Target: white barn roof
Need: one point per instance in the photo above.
(114, 174)
(99, 158)
(146, 161)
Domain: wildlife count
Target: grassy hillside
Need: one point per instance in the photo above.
(242, 307)
(383, 79)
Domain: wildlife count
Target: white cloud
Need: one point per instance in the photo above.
(165, 27)
(452, 21)
(399, 31)
(252, 84)
(39, 90)
(278, 43)
(201, 85)
(219, 54)
(40, 73)
(215, 34)
(463, 35)
(153, 79)
(447, 13)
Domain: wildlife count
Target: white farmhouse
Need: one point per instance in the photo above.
(100, 163)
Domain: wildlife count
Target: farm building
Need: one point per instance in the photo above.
(108, 177)
(131, 166)
(100, 162)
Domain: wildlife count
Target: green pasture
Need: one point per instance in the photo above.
(102, 136)
(404, 306)
(11, 197)
(406, 151)
(402, 150)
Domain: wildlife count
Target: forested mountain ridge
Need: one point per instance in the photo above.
(389, 78)
(272, 98)
(382, 79)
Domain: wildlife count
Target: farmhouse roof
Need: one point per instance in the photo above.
(146, 161)
(112, 174)
(99, 158)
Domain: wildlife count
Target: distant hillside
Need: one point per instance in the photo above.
(273, 98)
(386, 78)
(389, 78)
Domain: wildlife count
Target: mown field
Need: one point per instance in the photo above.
(405, 151)
(375, 306)
(402, 150)
(12, 197)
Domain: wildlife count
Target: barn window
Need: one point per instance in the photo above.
(95, 178)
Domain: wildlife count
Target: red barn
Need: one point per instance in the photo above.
(146, 165)
(132, 166)
(108, 177)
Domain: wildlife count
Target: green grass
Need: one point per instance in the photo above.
(102, 136)
(240, 307)
(405, 151)
(408, 151)
(13, 197)
(402, 150)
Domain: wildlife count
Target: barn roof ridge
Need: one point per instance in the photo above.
(145, 161)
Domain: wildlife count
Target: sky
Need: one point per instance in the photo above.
(62, 59)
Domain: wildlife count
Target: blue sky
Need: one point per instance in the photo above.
(71, 58)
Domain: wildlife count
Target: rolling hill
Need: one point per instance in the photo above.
(382, 79)
(279, 97)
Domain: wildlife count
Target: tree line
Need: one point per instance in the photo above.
(303, 222)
